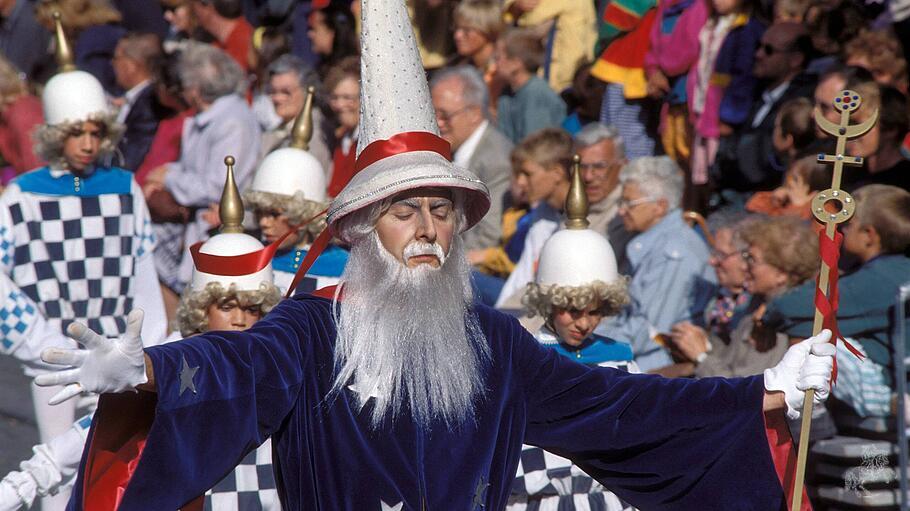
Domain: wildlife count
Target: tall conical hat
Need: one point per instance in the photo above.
(399, 147)
(71, 95)
(292, 169)
(232, 257)
(576, 256)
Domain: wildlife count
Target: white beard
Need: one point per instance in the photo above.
(407, 335)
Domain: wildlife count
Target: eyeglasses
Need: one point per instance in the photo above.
(352, 98)
(721, 256)
(769, 50)
(285, 91)
(447, 116)
(598, 167)
(629, 204)
(751, 260)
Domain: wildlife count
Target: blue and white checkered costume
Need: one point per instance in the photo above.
(73, 249)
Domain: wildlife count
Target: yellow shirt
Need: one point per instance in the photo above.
(576, 35)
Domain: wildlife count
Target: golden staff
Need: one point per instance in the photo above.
(830, 207)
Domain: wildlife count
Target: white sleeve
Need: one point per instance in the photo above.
(147, 295)
(148, 298)
(526, 267)
(50, 468)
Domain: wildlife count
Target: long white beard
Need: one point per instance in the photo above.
(407, 335)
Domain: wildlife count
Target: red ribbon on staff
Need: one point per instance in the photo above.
(402, 143)
(829, 249)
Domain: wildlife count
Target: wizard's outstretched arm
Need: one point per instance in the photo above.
(102, 365)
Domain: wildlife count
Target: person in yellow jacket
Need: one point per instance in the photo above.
(569, 29)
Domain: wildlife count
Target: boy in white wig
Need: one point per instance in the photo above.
(212, 301)
(75, 237)
(288, 197)
(576, 286)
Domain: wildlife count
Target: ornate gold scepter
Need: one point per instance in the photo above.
(830, 207)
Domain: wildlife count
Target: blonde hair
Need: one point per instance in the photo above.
(484, 16)
(12, 84)
(192, 311)
(612, 297)
(76, 15)
(787, 243)
(49, 139)
(791, 10)
(882, 51)
(546, 147)
(296, 208)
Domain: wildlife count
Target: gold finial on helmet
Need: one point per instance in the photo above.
(64, 53)
(576, 201)
(231, 208)
(302, 131)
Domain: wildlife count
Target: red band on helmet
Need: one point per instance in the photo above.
(402, 143)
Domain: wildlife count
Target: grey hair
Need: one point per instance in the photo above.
(597, 132)
(296, 208)
(212, 71)
(49, 139)
(289, 63)
(475, 89)
(192, 311)
(727, 218)
(657, 177)
(612, 297)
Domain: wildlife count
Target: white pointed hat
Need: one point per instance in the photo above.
(399, 147)
(232, 257)
(71, 95)
(576, 256)
(293, 169)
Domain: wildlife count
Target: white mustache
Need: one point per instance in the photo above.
(420, 248)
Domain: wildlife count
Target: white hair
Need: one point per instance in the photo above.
(657, 177)
(408, 338)
(474, 92)
(595, 133)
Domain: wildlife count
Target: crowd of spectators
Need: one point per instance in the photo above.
(672, 106)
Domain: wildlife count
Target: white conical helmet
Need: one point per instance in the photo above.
(232, 257)
(576, 256)
(293, 169)
(399, 147)
(71, 95)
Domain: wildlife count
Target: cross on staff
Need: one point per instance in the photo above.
(830, 207)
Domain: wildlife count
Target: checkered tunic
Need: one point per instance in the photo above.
(249, 487)
(547, 482)
(70, 244)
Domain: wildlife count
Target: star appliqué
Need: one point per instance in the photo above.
(386, 507)
(186, 377)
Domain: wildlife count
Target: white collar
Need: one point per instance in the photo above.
(137, 89)
(770, 96)
(466, 150)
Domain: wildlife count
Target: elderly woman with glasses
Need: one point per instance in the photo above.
(779, 254)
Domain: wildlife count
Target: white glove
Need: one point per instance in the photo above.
(105, 365)
(10, 498)
(806, 365)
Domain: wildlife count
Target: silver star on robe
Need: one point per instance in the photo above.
(186, 377)
(386, 507)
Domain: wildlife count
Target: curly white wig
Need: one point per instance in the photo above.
(192, 311)
(540, 300)
(296, 208)
(49, 139)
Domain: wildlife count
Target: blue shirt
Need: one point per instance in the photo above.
(671, 282)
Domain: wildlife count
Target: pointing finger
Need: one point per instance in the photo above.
(134, 324)
(57, 378)
(84, 336)
(68, 392)
(64, 357)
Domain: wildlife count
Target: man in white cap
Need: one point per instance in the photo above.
(288, 198)
(404, 394)
(229, 291)
(75, 237)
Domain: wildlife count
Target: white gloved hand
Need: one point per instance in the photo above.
(105, 365)
(10, 497)
(806, 365)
